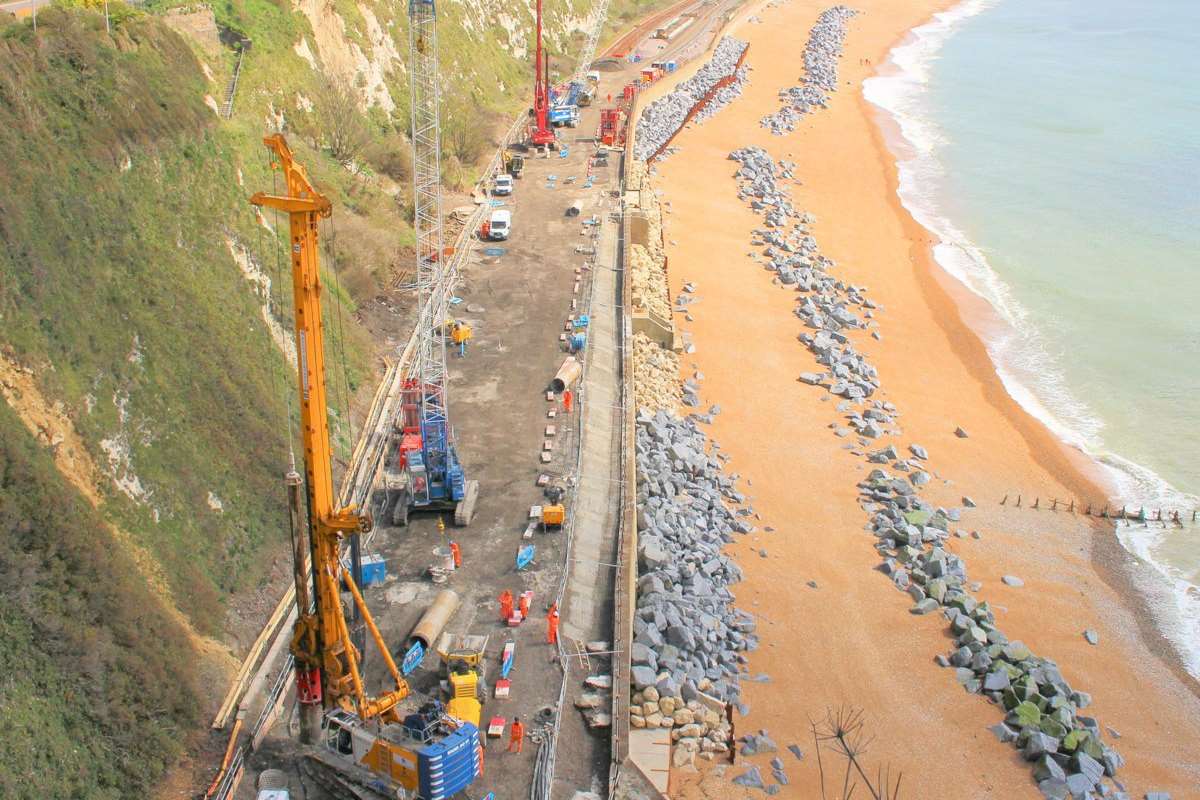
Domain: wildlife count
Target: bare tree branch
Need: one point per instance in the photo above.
(844, 732)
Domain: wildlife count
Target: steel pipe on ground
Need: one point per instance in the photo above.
(435, 618)
(567, 375)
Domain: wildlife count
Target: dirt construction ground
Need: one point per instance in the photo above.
(517, 296)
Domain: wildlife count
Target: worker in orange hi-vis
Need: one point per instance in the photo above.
(552, 624)
(517, 738)
(506, 607)
(456, 554)
(523, 606)
(567, 398)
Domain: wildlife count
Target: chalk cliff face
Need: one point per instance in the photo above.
(485, 45)
(145, 361)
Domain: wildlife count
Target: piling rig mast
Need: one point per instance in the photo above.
(424, 472)
(364, 737)
(540, 130)
(327, 671)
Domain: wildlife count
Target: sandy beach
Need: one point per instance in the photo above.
(851, 641)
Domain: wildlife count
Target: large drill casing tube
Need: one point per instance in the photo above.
(567, 374)
(435, 618)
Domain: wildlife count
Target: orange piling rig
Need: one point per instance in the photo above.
(540, 131)
(327, 671)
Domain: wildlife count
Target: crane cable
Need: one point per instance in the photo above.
(331, 252)
(280, 385)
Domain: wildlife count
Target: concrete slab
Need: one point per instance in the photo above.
(650, 752)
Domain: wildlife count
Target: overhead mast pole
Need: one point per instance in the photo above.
(433, 277)
(327, 662)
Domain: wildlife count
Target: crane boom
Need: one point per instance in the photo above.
(327, 662)
(425, 473)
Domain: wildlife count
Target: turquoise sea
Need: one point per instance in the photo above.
(1053, 146)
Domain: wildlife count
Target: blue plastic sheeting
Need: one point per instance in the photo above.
(525, 556)
(412, 658)
(494, 251)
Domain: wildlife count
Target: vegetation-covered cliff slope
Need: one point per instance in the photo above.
(143, 335)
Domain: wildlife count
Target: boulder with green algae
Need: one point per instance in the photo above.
(1074, 739)
(1016, 651)
(1027, 714)
(918, 516)
(937, 589)
(1014, 673)
(1052, 727)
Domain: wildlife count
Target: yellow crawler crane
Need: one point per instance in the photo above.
(425, 753)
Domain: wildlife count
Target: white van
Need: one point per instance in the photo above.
(503, 185)
(500, 225)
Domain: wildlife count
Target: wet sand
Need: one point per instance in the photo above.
(851, 641)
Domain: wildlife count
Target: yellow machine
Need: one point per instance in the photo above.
(554, 513)
(428, 753)
(554, 516)
(327, 670)
(513, 164)
(462, 658)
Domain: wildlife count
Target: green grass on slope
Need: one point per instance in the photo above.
(114, 270)
(94, 677)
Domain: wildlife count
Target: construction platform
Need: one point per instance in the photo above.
(517, 295)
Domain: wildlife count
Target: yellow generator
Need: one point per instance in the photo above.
(462, 657)
(554, 513)
(554, 516)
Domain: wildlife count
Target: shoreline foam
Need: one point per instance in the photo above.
(1012, 342)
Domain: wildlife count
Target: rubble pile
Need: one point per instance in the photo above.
(1042, 712)
(690, 643)
(655, 375)
(663, 118)
(821, 56)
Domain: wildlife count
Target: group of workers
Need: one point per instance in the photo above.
(517, 731)
(506, 613)
(516, 737)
